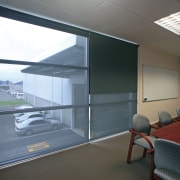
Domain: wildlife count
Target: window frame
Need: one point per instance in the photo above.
(31, 19)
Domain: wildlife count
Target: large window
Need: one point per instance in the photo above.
(43, 90)
(46, 94)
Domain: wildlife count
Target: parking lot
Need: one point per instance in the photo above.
(14, 146)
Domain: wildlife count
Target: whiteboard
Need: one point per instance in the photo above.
(160, 83)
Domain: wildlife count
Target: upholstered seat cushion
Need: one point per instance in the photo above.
(166, 174)
(142, 142)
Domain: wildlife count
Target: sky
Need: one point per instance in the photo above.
(26, 42)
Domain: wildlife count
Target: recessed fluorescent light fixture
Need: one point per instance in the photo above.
(171, 23)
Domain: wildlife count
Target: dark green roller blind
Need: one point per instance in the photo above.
(113, 65)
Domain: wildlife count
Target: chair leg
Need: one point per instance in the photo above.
(144, 152)
(130, 149)
(152, 167)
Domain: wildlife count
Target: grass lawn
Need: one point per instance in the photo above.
(12, 103)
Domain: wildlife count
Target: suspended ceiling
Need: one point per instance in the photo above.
(131, 20)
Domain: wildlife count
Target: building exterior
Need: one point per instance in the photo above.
(54, 85)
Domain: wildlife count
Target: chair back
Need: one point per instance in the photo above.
(164, 117)
(167, 155)
(141, 123)
(178, 112)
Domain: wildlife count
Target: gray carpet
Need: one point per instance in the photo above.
(102, 160)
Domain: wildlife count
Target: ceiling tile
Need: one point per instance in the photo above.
(45, 10)
(112, 15)
(77, 7)
(149, 9)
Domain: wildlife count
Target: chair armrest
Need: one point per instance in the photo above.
(155, 125)
(145, 137)
(176, 119)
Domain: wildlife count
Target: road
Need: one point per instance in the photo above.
(4, 96)
(14, 147)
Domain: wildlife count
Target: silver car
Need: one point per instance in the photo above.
(24, 106)
(27, 115)
(35, 125)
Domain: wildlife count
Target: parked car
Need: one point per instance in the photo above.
(13, 93)
(36, 125)
(20, 96)
(28, 115)
(24, 106)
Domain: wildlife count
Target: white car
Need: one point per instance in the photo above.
(13, 93)
(20, 96)
(24, 106)
(35, 125)
(28, 115)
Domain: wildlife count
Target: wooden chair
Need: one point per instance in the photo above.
(140, 135)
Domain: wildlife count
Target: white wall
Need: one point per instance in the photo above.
(155, 58)
(56, 90)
